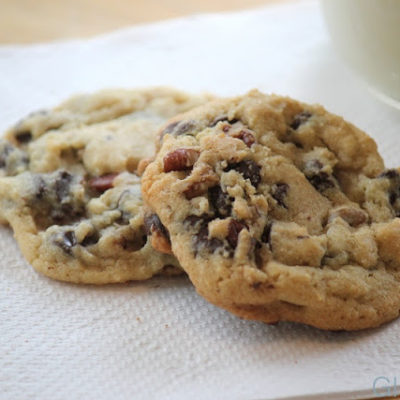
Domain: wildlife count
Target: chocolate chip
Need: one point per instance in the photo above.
(249, 169)
(66, 241)
(102, 183)
(389, 174)
(159, 236)
(90, 239)
(300, 119)
(6, 149)
(314, 166)
(60, 212)
(203, 242)
(131, 242)
(180, 160)
(220, 201)
(192, 220)
(321, 181)
(125, 216)
(279, 193)
(62, 185)
(170, 128)
(223, 118)
(12, 159)
(266, 235)
(393, 196)
(234, 228)
(40, 185)
(152, 223)
(23, 137)
(256, 252)
(178, 128)
(255, 285)
(318, 178)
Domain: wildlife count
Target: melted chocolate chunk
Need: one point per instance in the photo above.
(266, 235)
(318, 178)
(153, 223)
(53, 201)
(223, 118)
(394, 189)
(66, 241)
(125, 216)
(40, 187)
(300, 119)
(234, 228)
(221, 201)
(23, 137)
(192, 220)
(62, 185)
(249, 169)
(170, 128)
(393, 196)
(178, 128)
(202, 241)
(321, 181)
(256, 252)
(6, 149)
(90, 239)
(12, 159)
(389, 174)
(132, 242)
(279, 192)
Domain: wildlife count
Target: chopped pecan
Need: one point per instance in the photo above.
(102, 183)
(246, 136)
(180, 159)
(353, 216)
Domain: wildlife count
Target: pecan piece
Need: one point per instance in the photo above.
(102, 183)
(353, 216)
(180, 159)
(246, 136)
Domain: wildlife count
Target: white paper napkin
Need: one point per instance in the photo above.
(158, 339)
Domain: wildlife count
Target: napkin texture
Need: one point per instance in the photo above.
(159, 339)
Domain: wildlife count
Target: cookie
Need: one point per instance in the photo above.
(279, 210)
(70, 191)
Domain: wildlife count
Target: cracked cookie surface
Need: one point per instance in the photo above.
(279, 210)
(69, 189)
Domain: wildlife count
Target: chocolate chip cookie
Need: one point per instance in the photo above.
(279, 210)
(69, 188)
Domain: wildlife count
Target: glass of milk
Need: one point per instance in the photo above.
(367, 35)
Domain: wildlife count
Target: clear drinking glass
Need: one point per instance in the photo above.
(367, 35)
